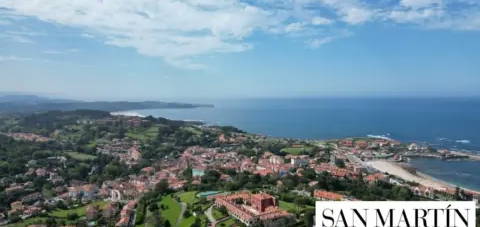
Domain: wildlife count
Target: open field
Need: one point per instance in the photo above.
(172, 209)
(187, 222)
(80, 211)
(288, 206)
(296, 150)
(144, 134)
(193, 130)
(80, 156)
(292, 207)
(188, 197)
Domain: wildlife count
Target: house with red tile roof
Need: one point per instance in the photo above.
(326, 195)
(372, 178)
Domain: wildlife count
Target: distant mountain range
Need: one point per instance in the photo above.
(33, 103)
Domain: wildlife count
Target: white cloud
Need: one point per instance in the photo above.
(468, 22)
(419, 3)
(52, 52)
(321, 21)
(170, 29)
(317, 42)
(56, 52)
(88, 36)
(179, 31)
(415, 16)
(357, 15)
(4, 22)
(351, 11)
(25, 37)
(438, 14)
(16, 38)
(295, 27)
(13, 58)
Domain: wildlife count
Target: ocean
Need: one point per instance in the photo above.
(452, 123)
(462, 173)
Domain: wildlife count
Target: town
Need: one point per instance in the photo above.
(89, 168)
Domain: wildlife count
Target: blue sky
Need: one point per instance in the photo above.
(194, 49)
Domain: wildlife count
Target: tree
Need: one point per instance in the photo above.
(72, 216)
(51, 222)
(309, 173)
(340, 163)
(197, 223)
(187, 173)
(167, 223)
(121, 132)
(162, 187)
(187, 214)
(156, 219)
(223, 210)
(308, 218)
(211, 177)
(153, 207)
(61, 205)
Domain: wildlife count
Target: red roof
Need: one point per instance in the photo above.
(321, 194)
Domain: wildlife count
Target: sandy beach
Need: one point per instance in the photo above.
(395, 169)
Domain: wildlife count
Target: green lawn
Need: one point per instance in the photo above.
(80, 156)
(228, 222)
(296, 150)
(144, 134)
(288, 206)
(193, 130)
(187, 222)
(28, 222)
(60, 214)
(217, 214)
(292, 207)
(188, 197)
(79, 210)
(152, 132)
(170, 213)
(172, 210)
(92, 144)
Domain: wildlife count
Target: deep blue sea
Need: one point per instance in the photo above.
(452, 123)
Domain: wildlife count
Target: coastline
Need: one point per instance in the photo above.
(423, 179)
(397, 169)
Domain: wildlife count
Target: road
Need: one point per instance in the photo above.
(211, 219)
(183, 207)
(209, 214)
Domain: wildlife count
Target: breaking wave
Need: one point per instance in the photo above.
(127, 113)
(463, 141)
(385, 137)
